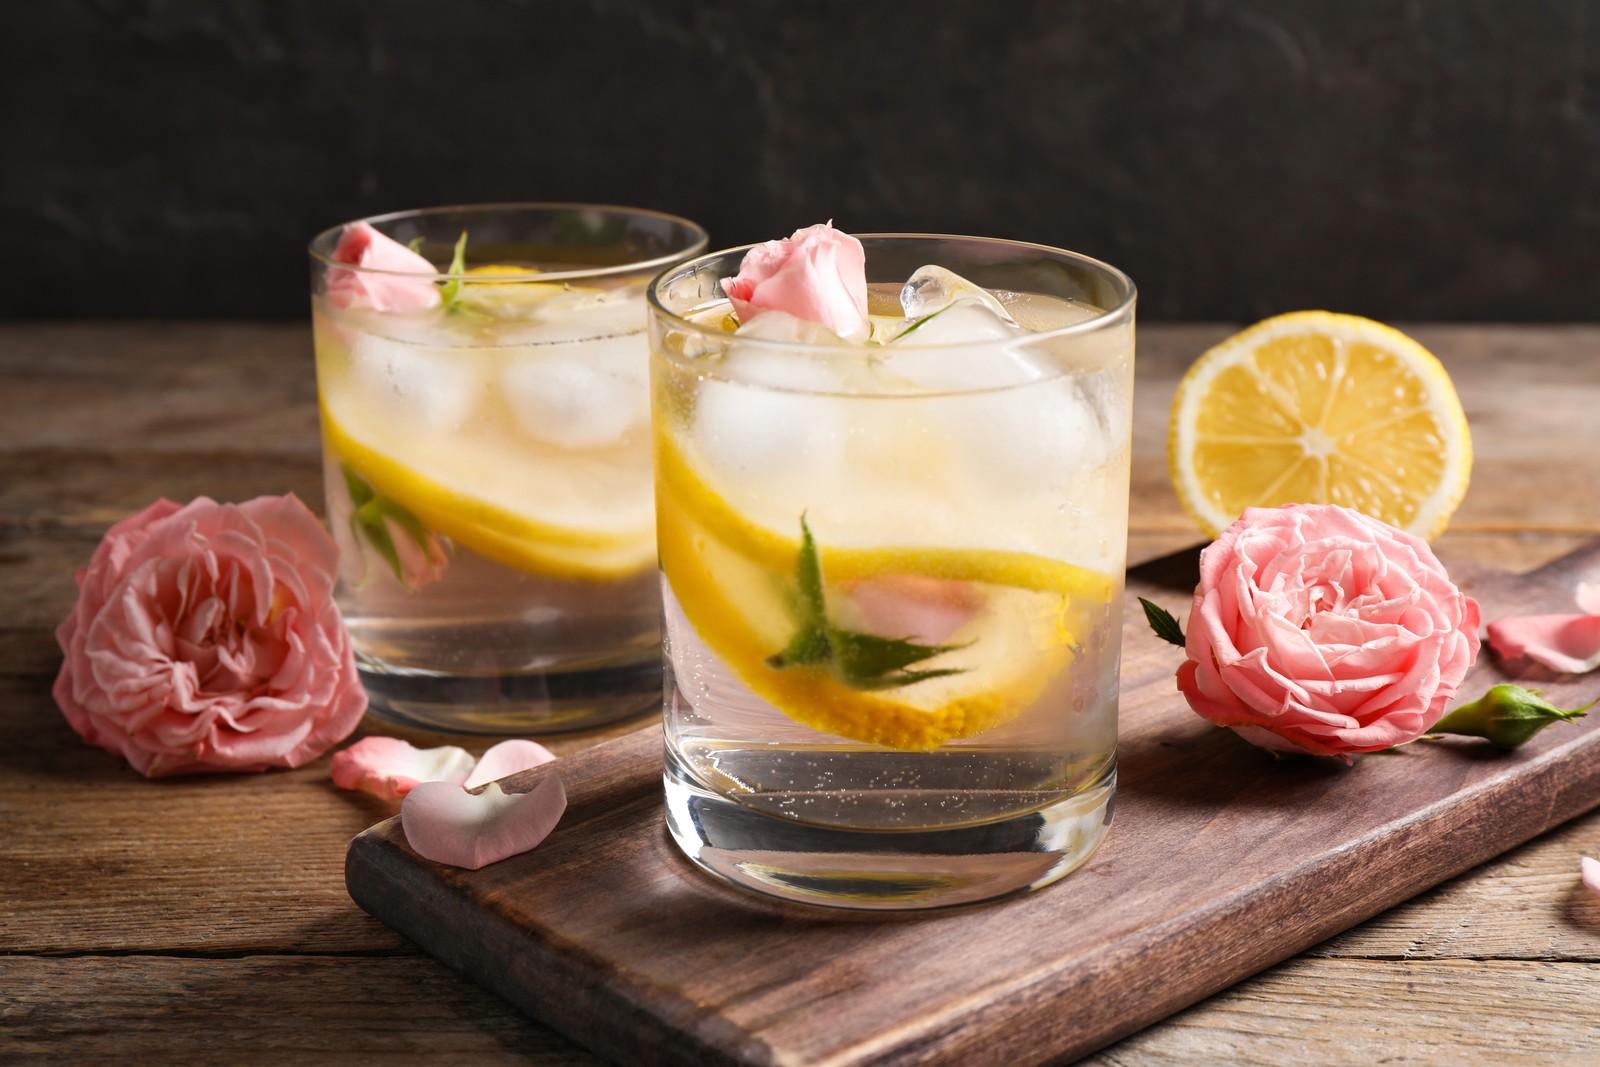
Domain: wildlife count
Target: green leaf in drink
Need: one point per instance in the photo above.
(860, 660)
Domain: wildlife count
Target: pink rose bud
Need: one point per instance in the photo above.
(388, 279)
(818, 274)
(1318, 629)
(205, 638)
(1507, 715)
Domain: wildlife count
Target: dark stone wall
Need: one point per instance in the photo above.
(1425, 159)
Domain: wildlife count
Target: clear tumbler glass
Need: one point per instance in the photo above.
(487, 458)
(892, 575)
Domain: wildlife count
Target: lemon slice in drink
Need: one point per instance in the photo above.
(1317, 408)
(506, 526)
(735, 584)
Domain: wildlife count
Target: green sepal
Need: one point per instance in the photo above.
(450, 293)
(1507, 715)
(860, 660)
(867, 661)
(1163, 623)
(367, 521)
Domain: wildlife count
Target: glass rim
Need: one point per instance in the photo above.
(697, 233)
(1100, 321)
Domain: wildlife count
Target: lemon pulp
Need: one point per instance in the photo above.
(1317, 408)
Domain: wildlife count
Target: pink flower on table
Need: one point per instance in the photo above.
(205, 638)
(818, 274)
(388, 279)
(1566, 643)
(1318, 629)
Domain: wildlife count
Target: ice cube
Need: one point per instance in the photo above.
(578, 395)
(932, 289)
(1044, 449)
(963, 347)
(962, 323)
(777, 430)
(782, 326)
(420, 387)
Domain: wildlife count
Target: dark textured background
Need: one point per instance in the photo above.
(1403, 160)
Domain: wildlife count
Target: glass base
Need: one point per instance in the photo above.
(510, 704)
(884, 870)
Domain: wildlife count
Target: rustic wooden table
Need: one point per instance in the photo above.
(206, 919)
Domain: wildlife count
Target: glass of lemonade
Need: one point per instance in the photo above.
(486, 444)
(892, 574)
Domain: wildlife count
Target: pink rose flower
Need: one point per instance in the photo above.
(205, 638)
(387, 279)
(1318, 629)
(818, 274)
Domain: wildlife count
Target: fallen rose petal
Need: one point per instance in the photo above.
(1566, 643)
(446, 824)
(391, 768)
(508, 757)
(1591, 873)
(1588, 597)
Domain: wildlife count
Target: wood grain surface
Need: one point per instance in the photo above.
(139, 919)
(1221, 861)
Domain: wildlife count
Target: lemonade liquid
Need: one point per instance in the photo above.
(488, 482)
(957, 513)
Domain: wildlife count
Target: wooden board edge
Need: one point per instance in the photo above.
(1435, 845)
(569, 993)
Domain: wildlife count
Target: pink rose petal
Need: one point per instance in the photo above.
(391, 278)
(1566, 643)
(391, 768)
(1591, 873)
(446, 824)
(915, 608)
(508, 757)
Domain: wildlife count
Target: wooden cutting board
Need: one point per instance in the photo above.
(1220, 862)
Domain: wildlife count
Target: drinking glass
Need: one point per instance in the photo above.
(892, 575)
(487, 462)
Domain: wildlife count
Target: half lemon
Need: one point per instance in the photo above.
(1313, 407)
